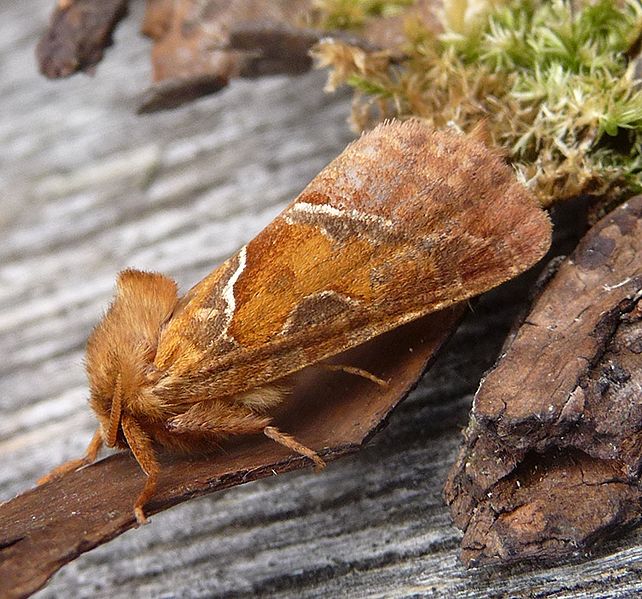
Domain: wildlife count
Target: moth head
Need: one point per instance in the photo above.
(122, 347)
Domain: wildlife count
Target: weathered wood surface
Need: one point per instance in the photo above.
(88, 188)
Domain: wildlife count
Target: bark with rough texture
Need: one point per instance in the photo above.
(553, 451)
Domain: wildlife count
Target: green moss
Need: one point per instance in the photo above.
(353, 14)
(552, 79)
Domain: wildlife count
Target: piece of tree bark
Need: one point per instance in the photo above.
(78, 33)
(251, 49)
(553, 451)
(192, 43)
(333, 413)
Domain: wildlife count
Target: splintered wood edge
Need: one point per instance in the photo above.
(48, 526)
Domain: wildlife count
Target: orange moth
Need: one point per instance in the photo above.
(406, 221)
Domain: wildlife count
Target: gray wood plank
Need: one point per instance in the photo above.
(89, 188)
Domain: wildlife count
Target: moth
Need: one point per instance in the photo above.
(406, 221)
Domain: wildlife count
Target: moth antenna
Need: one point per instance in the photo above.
(114, 416)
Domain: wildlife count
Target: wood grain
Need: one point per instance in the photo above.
(89, 188)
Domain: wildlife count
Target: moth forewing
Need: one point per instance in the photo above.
(406, 221)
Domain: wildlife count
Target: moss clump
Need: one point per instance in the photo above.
(352, 15)
(555, 81)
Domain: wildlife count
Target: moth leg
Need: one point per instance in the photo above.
(356, 371)
(291, 443)
(220, 418)
(90, 456)
(141, 446)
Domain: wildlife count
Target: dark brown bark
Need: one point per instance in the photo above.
(333, 413)
(552, 456)
(78, 33)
